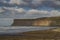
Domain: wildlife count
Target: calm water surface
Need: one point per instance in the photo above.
(9, 30)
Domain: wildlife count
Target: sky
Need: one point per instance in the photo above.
(29, 9)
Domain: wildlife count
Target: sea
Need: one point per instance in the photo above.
(21, 29)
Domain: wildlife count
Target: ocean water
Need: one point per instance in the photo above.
(12, 30)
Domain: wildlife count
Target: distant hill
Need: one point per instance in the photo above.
(46, 21)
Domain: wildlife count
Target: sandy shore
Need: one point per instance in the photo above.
(35, 35)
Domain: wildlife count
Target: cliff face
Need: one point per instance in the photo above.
(44, 22)
(23, 22)
(31, 22)
(52, 21)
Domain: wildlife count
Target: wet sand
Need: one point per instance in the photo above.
(16, 30)
(34, 35)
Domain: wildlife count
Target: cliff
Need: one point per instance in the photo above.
(47, 21)
(23, 22)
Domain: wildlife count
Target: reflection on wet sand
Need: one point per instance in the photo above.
(35, 35)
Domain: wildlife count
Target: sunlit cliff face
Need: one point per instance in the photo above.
(32, 22)
(42, 22)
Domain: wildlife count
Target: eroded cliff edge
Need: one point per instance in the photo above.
(46, 21)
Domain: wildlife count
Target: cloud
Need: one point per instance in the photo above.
(34, 11)
(20, 10)
(57, 2)
(18, 2)
(37, 2)
(42, 13)
(13, 9)
(16, 7)
(28, 14)
(13, 12)
(55, 13)
(22, 13)
(1, 10)
(6, 13)
(34, 4)
(35, 14)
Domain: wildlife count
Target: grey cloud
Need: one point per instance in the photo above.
(36, 14)
(55, 13)
(31, 3)
(57, 2)
(33, 13)
(6, 13)
(41, 13)
(1, 10)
